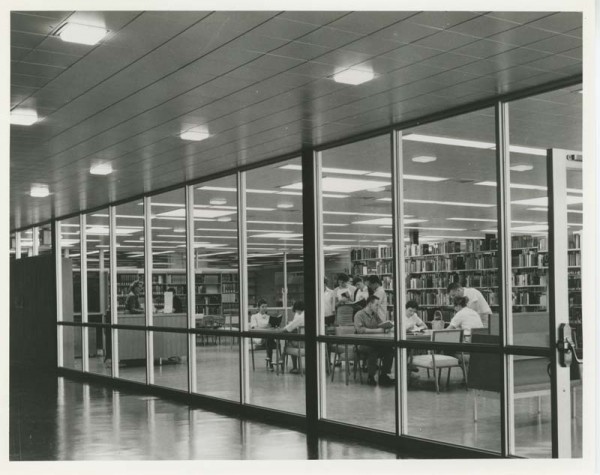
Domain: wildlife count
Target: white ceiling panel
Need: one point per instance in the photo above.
(261, 82)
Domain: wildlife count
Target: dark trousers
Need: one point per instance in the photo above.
(373, 353)
(271, 345)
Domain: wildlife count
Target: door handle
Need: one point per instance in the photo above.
(566, 346)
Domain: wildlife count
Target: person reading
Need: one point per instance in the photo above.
(368, 321)
(261, 321)
(412, 322)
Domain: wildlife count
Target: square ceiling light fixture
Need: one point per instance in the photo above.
(195, 134)
(23, 117)
(101, 169)
(82, 34)
(39, 190)
(353, 76)
(343, 185)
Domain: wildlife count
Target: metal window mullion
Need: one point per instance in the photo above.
(35, 240)
(191, 286)
(59, 294)
(243, 278)
(320, 273)
(399, 281)
(18, 245)
(504, 251)
(84, 292)
(114, 300)
(148, 305)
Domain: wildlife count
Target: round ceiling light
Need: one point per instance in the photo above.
(224, 219)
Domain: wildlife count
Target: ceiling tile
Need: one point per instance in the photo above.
(313, 17)
(442, 20)
(558, 22)
(25, 40)
(404, 32)
(356, 22)
(483, 26)
(446, 40)
(28, 23)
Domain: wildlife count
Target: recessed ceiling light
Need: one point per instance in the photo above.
(195, 134)
(39, 190)
(448, 203)
(178, 230)
(23, 117)
(83, 34)
(424, 159)
(217, 201)
(353, 76)
(521, 168)
(388, 221)
(471, 144)
(224, 219)
(277, 235)
(101, 169)
(285, 205)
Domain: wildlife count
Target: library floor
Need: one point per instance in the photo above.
(446, 417)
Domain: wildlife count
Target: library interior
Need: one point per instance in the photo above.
(406, 285)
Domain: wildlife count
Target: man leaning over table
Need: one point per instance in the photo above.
(367, 321)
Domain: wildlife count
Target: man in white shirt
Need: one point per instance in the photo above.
(295, 326)
(465, 318)
(344, 291)
(476, 301)
(328, 305)
(374, 285)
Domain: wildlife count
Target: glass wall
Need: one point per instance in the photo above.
(98, 288)
(451, 271)
(358, 247)
(275, 286)
(410, 283)
(539, 123)
(217, 293)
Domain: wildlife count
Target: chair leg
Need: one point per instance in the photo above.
(435, 377)
(465, 375)
(252, 351)
(335, 358)
(448, 378)
(475, 409)
(346, 364)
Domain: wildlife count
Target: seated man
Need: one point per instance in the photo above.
(367, 321)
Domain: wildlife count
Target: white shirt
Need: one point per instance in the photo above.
(466, 319)
(413, 322)
(296, 323)
(328, 302)
(341, 292)
(260, 320)
(362, 294)
(381, 303)
(476, 301)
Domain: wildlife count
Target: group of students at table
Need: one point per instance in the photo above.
(370, 302)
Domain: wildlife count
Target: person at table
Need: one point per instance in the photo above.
(260, 321)
(375, 288)
(328, 304)
(132, 304)
(465, 318)
(412, 322)
(476, 301)
(361, 294)
(294, 327)
(367, 321)
(344, 291)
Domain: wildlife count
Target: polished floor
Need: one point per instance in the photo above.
(61, 420)
(445, 417)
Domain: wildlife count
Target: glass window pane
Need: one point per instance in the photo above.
(275, 284)
(170, 360)
(72, 354)
(132, 354)
(358, 252)
(70, 253)
(217, 293)
(45, 239)
(130, 263)
(169, 279)
(26, 243)
(450, 222)
(13, 245)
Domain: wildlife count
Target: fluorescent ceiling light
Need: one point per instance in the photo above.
(521, 168)
(23, 117)
(359, 234)
(424, 159)
(543, 201)
(198, 213)
(449, 236)
(218, 201)
(471, 144)
(347, 185)
(179, 230)
(521, 186)
(353, 76)
(274, 222)
(377, 189)
(277, 235)
(101, 169)
(285, 205)
(207, 245)
(216, 188)
(446, 203)
(434, 229)
(83, 34)
(339, 240)
(39, 190)
(224, 219)
(423, 178)
(349, 213)
(223, 230)
(195, 134)
(380, 174)
(121, 231)
(388, 221)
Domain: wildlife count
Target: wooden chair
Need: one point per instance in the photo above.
(436, 361)
(296, 351)
(344, 352)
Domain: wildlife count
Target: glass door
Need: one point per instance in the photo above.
(565, 228)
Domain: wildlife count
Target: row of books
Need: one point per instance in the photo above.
(450, 247)
(529, 241)
(529, 278)
(230, 298)
(530, 298)
(230, 288)
(575, 259)
(529, 259)
(575, 241)
(450, 263)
